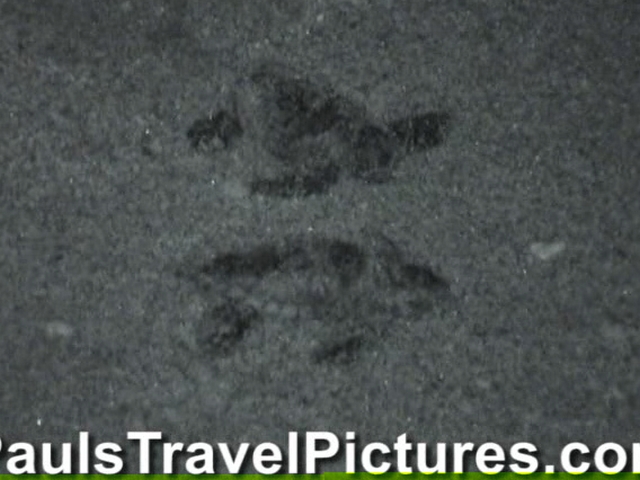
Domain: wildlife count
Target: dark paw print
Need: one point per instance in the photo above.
(296, 108)
(421, 131)
(342, 351)
(257, 262)
(318, 135)
(342, 284)
(316, 181)
(347, 259)
(222, 127)
(223, 326)
(375, 152)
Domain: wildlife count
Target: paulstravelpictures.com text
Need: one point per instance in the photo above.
(304, 453)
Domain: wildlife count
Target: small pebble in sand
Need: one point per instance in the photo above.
(546, 251)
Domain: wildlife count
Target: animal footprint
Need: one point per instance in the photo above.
(339, 351)
(224, 326)
(343, 288)
(316, 135)
(315, 181)
(223, 127)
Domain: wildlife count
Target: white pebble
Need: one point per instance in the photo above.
(58, 330)
(546, 251)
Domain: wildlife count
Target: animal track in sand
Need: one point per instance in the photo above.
(334, 295)
(314, 135)
(343, 292)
